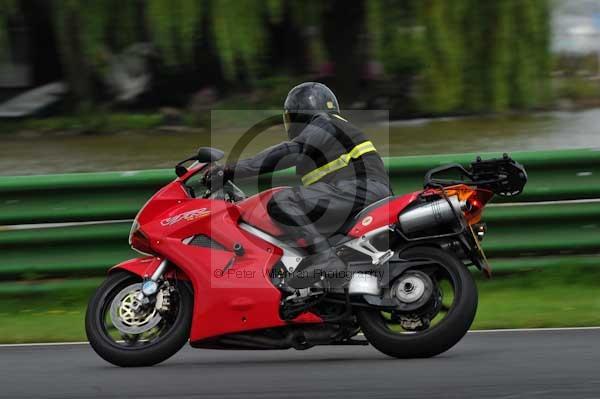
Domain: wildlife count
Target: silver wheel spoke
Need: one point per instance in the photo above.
(131, 323)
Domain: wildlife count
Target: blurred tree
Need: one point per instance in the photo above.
(483, 56)
(531, 65)
(290, 38)
(7, 11)
(508, 63)
(395, 35)
(208, 66)
(444, 55)
(175, 27)
(43, 45)
(78, 38)
(240, 35)
(451, 56)
(396, 39)
(343, 27)
(118, 26)
(484, 70)
(306, 17)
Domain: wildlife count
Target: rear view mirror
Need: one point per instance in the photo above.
(209, 154)
(204, 155)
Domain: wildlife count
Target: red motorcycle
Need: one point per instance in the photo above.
(215, 270)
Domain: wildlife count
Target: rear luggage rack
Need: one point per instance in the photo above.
(503, 176)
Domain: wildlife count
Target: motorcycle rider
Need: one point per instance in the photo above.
(341, 173)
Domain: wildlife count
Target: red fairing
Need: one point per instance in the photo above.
(254, 212)
(383, 215)
(144, 267)
(140, 266)
(165, 199)
(242, 297)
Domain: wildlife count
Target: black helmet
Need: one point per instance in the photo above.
(305, 100)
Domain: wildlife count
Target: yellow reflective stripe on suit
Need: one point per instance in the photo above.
(341, 162)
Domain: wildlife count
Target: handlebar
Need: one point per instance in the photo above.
(216, 182)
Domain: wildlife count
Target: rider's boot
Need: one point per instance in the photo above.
(323, 269)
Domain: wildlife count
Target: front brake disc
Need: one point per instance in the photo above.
(129, 316)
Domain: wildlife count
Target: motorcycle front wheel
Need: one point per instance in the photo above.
(127, 333)
(428, 324)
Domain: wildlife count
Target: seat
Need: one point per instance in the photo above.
(348, 224)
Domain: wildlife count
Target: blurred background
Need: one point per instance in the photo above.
(113, 85)
(504, 74)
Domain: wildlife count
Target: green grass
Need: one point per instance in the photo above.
(44, 315)
(557, 297)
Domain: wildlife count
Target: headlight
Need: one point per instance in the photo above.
(134, 227)
(138, 240)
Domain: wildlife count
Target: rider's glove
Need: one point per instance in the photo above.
(217, 173)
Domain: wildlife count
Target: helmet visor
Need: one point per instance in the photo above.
(287, 121)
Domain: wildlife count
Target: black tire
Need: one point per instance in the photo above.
(438, 338)
(120, 355)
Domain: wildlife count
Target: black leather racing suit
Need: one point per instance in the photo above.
(341, 171)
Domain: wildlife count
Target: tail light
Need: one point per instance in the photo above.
(474, 199)
(138, 240)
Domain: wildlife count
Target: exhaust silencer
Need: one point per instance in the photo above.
(429, 215)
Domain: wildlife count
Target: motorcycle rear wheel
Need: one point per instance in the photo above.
(170, 331)
(437, 338)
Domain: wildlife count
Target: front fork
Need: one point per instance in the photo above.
(150, 285)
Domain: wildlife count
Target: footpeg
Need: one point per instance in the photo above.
(383, 257)
(303, 294)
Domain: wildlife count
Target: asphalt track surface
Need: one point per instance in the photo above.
(513, 364)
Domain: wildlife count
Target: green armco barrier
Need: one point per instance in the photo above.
(513, 231)
(77, 196)
(44, 287)
(85, 250)
(568, 174)
(527, 229)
